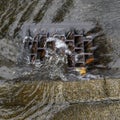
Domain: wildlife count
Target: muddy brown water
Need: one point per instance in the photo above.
(56, 100)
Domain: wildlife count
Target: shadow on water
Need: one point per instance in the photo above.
(61, 12)
(103, 53)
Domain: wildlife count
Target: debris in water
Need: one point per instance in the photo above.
(78, 49)
(81, 70)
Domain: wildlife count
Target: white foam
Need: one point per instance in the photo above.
(50, 39)
(60, 44)
(26, 38)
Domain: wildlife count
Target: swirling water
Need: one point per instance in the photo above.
(36, 100)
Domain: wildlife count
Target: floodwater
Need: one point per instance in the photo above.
(32, 95)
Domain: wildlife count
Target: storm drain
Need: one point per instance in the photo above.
(81, 48)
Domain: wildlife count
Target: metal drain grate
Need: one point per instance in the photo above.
(81, 47)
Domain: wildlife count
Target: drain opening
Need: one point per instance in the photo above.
(85, 51)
